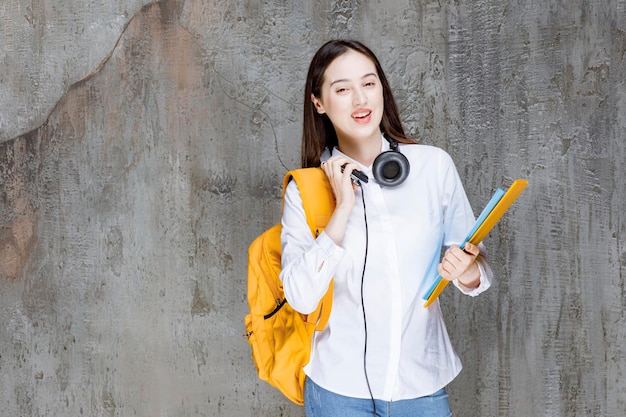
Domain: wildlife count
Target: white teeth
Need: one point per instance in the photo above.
(360, 115)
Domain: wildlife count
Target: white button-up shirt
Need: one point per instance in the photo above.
(409, 353)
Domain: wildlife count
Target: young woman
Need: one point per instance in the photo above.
(382, 352)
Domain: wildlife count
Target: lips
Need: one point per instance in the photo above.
(362, 116)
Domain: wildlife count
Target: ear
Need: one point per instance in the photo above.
(317, 104)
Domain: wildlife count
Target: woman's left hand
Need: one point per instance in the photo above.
(460, 264)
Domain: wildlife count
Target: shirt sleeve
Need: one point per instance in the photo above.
(308, 263)
(458, 220)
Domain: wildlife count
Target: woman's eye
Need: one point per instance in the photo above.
(370, 84)
(341, 90)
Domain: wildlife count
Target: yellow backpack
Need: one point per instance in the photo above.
(279, 336)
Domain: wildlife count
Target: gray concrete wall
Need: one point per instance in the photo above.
(141, 150)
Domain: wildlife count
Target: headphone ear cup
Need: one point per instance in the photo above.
(391, 168)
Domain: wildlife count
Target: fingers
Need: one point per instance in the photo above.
(471, 249)
(338, 165)
(338, 170)
(457, 261)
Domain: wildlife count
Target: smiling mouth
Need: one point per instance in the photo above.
(361, 115)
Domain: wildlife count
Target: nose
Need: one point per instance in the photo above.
(360, 97)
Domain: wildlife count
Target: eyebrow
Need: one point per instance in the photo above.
(346, 79)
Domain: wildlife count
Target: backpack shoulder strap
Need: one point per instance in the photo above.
(318, 201)
(317, 196)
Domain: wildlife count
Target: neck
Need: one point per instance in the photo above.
(363, 152)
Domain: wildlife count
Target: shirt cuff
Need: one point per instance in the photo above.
(485, 283)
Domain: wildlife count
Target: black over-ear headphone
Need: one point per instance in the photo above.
(391, 168)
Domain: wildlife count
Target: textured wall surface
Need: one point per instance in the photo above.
(141, 150)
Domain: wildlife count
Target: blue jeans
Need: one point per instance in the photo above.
(319, 402)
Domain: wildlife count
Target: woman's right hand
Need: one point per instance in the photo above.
(338, 170)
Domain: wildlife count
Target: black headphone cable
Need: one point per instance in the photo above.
(363, 304)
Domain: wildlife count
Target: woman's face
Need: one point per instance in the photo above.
(352, 98)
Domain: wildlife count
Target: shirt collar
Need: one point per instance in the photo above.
(384, 146)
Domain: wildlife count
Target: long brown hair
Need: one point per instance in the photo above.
(318, 131)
